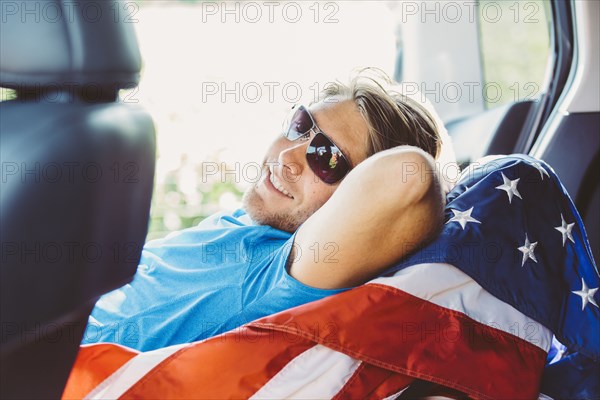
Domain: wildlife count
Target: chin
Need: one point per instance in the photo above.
(258, 211)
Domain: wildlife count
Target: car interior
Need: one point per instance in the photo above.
(91, 224)
(66, 113)
(547, 128)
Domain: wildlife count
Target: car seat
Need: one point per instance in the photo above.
(77, 177)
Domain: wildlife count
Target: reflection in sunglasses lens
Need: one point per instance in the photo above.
(325, 159)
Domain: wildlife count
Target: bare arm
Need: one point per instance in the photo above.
(385, 208)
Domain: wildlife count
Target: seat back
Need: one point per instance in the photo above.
(77, 174)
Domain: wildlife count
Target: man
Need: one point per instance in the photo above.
(348, 189)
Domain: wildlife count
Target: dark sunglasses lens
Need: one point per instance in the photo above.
(300, 123)
(326, 160)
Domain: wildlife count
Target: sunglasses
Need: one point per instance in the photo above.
(324, 158)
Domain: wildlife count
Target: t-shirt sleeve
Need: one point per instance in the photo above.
(284, 291)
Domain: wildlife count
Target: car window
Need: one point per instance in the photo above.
(515, 49)
(219, 78)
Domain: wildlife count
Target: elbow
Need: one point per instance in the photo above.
(400, 184)
(413, 188)
(406, 176)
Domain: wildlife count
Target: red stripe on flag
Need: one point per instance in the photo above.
(371, 382)
(234, 365)
(93, 365)
(389, 328)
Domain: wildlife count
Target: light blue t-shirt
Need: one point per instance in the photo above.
(200, 282)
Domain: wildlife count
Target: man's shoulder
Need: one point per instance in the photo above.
(220, 226)
(234, 219)
(225, 219)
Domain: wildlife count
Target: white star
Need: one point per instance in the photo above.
(510, 187)
(542, 170)
(565, 229)
(462, 217)
(527, 250)
(586, 294)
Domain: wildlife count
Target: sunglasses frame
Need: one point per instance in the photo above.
(305, 136)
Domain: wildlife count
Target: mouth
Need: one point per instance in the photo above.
(276, 185)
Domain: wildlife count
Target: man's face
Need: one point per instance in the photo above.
(303, 192)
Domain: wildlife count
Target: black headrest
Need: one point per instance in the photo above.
(61, 44)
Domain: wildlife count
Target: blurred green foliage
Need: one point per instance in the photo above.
(7, 94)
(188, 195)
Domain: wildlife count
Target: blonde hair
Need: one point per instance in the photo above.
(393, 119)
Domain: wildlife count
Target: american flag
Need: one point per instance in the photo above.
(473, 313)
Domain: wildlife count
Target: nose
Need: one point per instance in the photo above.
(292, 161)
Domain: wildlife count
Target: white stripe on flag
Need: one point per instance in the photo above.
(125, 377)
(449, 287)
(317, 373)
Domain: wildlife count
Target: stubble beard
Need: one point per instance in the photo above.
(257, 210)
